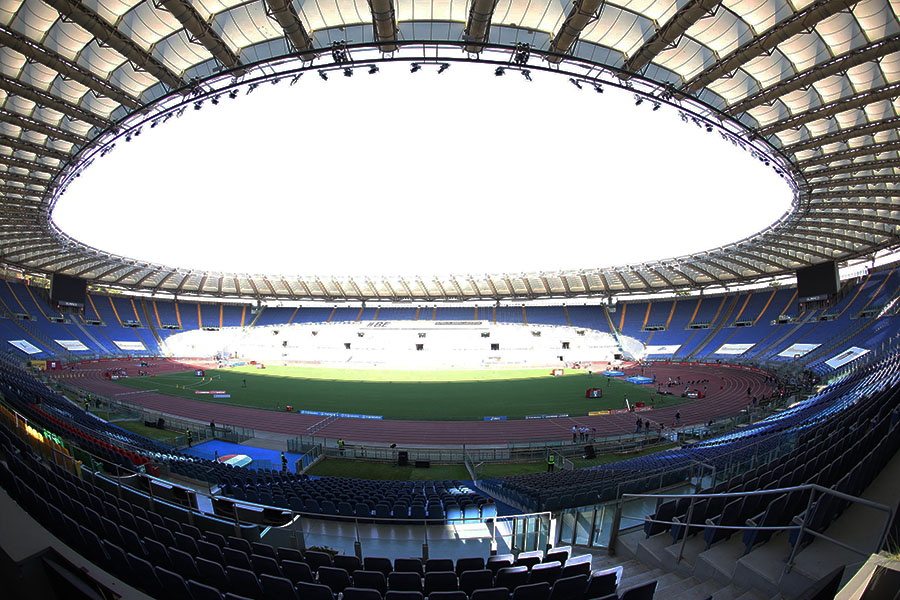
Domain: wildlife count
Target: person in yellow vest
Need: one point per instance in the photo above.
(341, 446)
(551, 462)
(190, 438)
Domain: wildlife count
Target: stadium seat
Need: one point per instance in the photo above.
(244, 582)
(405, 582)
(409, 565)
(297, 572)
(499, 593)
(545, 572)
(643, 591)
(174, 584)
(472, 563)
(353, 593)
(469, 581)
(533, 591)
(314, 591)
(277, 588)
(511, 577)
(335, 578)
(568, 587)
(377, 563)
(201, 591)
(440, 581)
(374, 580)
(603, 583)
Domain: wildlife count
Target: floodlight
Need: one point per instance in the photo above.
(638, 99)
(373, 69)
(252, 87)
(233, 94)
(415, 67)
(215, 100)
(154, 123)
(443, 67)
(575, 82)
(323, 75)
(198, 105)
(526, 74)
(500, 72)
(296, 78)
(598, 88)
(656, 106)
(348, 72)
(709, 128)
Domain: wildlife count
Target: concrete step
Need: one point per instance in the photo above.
(719, 561)
(763, 569)
(692, 589)
(633, 579)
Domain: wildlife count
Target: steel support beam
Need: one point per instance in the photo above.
(853, 217)
(852, 181)
(814, 227)
(802, 240)
(384, 23)
(201, 31)
(867, 193)
(287, 17)
(26, 146)
(860, 100)
(37, 126)
(478, 25)
(845, 134)
(21, 163)
(94, 24)
(581, 14)
(24, 179)
(849, 206)
(798, 22)
(871, 149)
(668, 35)
(804, 79)
(42, 98)
(869, 165)
(65, 67)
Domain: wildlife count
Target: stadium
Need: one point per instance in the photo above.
(715, 421)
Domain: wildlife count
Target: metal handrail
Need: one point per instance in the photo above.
(803, 526)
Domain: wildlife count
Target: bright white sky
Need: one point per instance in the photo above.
(420, 174)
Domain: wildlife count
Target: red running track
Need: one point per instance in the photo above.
(727, 401)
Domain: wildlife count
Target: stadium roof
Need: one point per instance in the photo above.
(810, 87)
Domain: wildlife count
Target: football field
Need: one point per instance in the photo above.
(405, 395)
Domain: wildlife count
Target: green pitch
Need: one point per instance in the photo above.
(412, 395)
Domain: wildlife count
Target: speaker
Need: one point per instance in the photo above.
(402, 458)
(589, 451)
(160, 423)
(423, 464)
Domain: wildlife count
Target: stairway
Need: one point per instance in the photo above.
(716, 329)
(84, 330)
(670, 584)
(761, 355)
(150, 324)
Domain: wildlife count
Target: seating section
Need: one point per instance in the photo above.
(833, 417)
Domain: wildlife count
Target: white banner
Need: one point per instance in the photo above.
(129, 345)
(668, 349)
(73, 345)
(733, 348)
(846, 356)
(25, 347)
(795, 349)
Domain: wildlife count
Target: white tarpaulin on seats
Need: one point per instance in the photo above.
(129, 345)
(798, 349)
(668, 349)
(73, 345)
(846, 356)
(26, 347)
(733, 348)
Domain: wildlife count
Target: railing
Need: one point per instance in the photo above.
(592, 525)
(199, 432)
(803, 527)
(279, 526)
